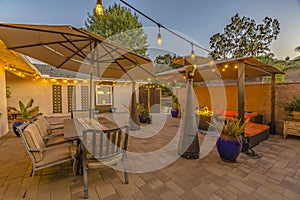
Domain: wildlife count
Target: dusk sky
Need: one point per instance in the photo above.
(197, 19)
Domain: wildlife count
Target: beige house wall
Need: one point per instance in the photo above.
(25, 89)
(41, 92)
(257, 98)
(3, 103)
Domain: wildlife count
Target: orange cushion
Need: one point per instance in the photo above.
(217, 111)
(253, 129)
(229, 113)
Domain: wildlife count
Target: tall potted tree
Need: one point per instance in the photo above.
(229, 144)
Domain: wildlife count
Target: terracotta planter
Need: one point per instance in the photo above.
(229, 148)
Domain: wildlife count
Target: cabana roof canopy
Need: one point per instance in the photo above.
(222, 69)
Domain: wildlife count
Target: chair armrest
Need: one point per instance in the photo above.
(51, 147)
(52, 135)
(61, 123)
(50, 131)
(57, 127)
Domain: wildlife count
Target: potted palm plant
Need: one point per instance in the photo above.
(293, 107)
(175, 107)
(203, 117)
(144, 115)
(229, 144)
(24, 113)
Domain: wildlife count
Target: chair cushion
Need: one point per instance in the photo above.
(99, 164)
(229, 113)
(56, 155)
(42, 126)
(253, 129)
(59, 139)
(34, 140)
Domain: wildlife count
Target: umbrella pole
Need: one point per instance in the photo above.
(134, 120)
(91, 95)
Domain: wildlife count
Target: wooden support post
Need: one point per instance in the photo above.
(241, 91)
(273, 124)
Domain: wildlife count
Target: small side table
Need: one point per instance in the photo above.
(291, 126)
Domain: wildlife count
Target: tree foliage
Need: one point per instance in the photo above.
(243, 37)
(279, 64)
(119, 24)
(165, 62)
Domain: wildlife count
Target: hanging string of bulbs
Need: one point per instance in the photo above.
(99, 7)
(99, 11)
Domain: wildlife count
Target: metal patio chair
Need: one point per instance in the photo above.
(42, 156)
(102, 149)
(49, 134)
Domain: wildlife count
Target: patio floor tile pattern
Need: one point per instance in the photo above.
(274, 176)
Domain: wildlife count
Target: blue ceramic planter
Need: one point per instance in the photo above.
(14, 126)
(144, 119)
(174, 113)
(229, 149)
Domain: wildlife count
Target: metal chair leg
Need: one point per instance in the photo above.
(125, 169)
(84, 171)
(27, 188)
(74, 167)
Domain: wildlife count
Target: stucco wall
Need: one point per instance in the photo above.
(3, 104)
(257, 98)
(41, 92)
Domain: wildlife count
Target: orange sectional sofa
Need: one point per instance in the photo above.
(254, 132)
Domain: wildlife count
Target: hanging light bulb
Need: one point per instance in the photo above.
(99, 8)
(159, 40)
(192, 53)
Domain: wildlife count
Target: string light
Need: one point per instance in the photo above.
(192, 53)
(159, 39)
(160, 25)
(99, 8)
(226, 66)
(235, 67)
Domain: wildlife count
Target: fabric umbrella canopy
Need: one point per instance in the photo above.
(221, 70)
(16, 63)
(76, 49)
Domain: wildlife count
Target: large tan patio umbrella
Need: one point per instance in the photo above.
(76, 49)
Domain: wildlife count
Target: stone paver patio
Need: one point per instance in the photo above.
(274, 176)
